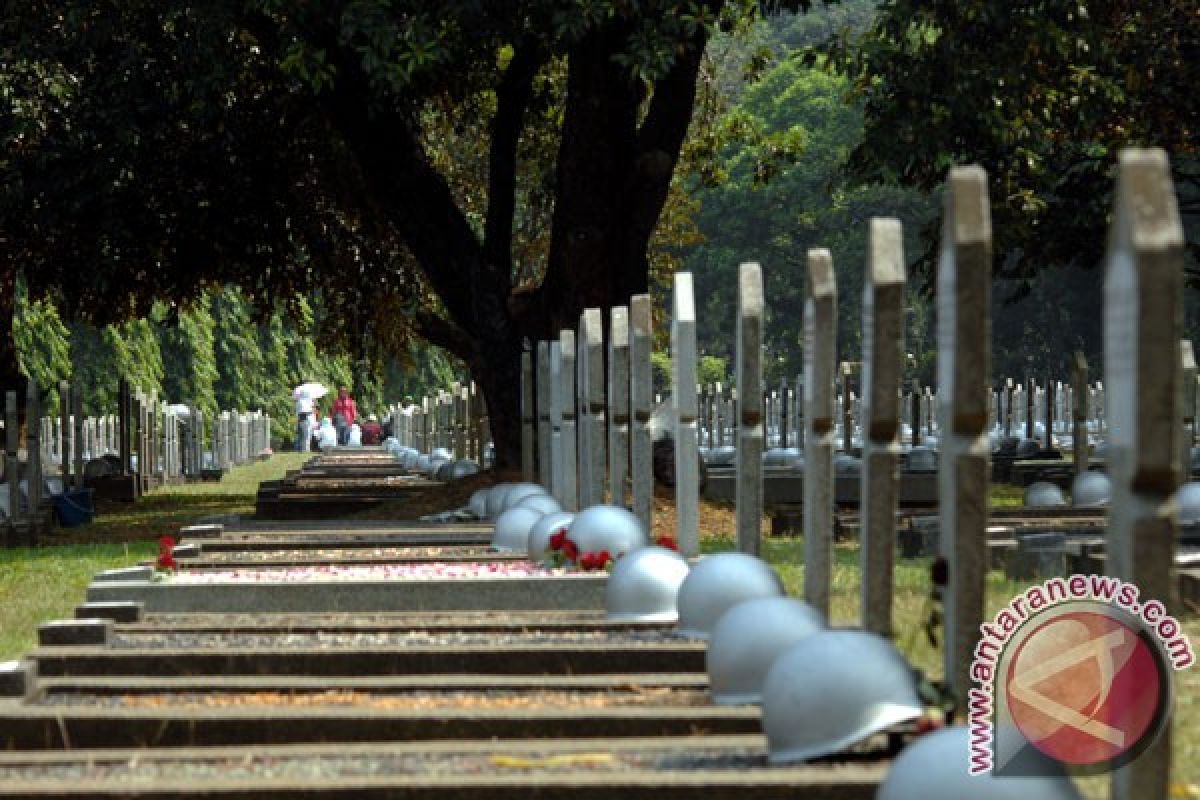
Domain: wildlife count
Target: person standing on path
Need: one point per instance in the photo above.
(344, 414)
(304, 421)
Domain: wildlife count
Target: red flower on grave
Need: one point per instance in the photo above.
(558, 539)
(667, 541)
(570, 550)
(166, 555)
(594, 561)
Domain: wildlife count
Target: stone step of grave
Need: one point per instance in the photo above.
(252, 589)
(783, 487)
(266, 655)
(131, 723)
(662, 768)
(645, 682)
(315, 508)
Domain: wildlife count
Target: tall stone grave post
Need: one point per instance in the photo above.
(544, 433)
(557, 467)
(1187, 360)
(593, 409)
(749, 476)
(964, 362)
(1048, 400)
(784, 410)
(915, 412)
(567, 396)
(801, 413)
(66, 446)
(77, 439)
(528, 415)
(748, 492)
(641, 389)
(1143, 319)
(1030, 408)
(820, 349)
(847, 410)
(125, 427)
(33, 457)
(1079, 431)
(12, 463)
(618, 403)
(1008, 406)
(581, 416)
(683, 398)
(882, 370)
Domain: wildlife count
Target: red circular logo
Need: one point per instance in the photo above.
(1085, 688)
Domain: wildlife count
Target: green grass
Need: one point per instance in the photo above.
(47, 582)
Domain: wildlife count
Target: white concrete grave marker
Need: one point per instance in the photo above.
(641, 389)
(683, 399)
(820, 348)
(591, 490)
(964, 363)
(1143, 321)
(1079, 431)
(618, 401)
(882, 370)
(557, 467)
(749, 476)
(570, 459)
(545, 384)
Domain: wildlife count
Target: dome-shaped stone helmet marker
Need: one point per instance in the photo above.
(538, 543)
(748, 639)
(512, 529)
(610, 528)
(495, 499)
(719, 582)
(833, 689)
(644, 585)
(1091, 490)
(519, 492)
(539, 502)
(478, 503)
(1188, 499)
(1044, 494)
(934, 768)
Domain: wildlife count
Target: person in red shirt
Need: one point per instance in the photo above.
(344, 414)
(372, 431)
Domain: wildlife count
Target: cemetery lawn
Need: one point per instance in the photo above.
(47, 582)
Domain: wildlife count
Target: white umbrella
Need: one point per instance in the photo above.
(312, 390)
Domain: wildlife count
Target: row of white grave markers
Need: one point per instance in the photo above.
(455, 419)
(585, 430)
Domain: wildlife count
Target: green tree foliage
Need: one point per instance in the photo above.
(188, 346)
(780, 194)
(277, 145)
(43, 344)
(100, 357)
(1042, 94)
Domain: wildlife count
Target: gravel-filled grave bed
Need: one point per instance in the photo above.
(395, 619)
(365, 554)
(241, 640)
(427, 570)
(482, 700)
